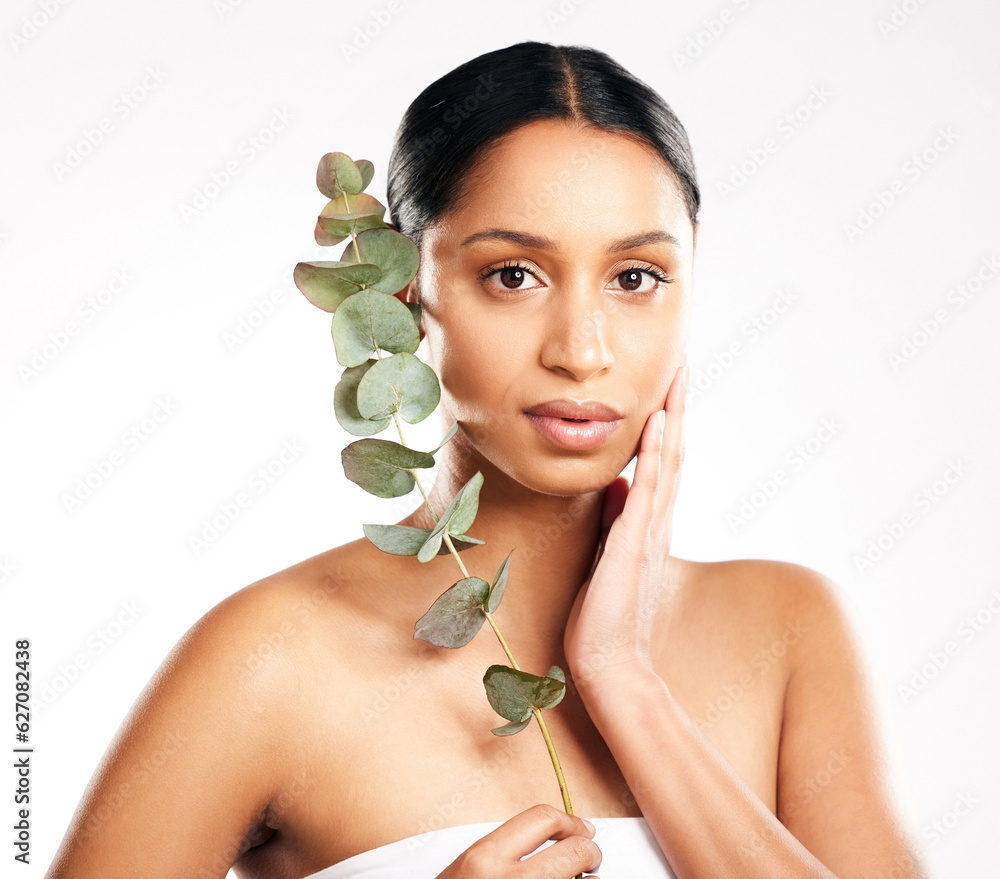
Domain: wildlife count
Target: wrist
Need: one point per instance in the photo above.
(605, 686)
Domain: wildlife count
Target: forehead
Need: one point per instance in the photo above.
(561, 179)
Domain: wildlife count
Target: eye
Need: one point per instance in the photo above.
(631, 279)
(511, 276)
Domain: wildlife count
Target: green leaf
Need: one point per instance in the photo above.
(335, 222)
(337, 174)
(451, 432)
(508, 729)
(370, 320)
(457, 615)
(415, 311)
(394, 253)
(401, 383)
(499, 585)
(345, 403)
(513, 693)
(382, 467)
(326, 284)
(407, 540)
(367, 170)
(333, 230)
(461, 512)
(557, 674)
(456, 519)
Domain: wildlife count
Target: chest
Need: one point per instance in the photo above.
(409, 751)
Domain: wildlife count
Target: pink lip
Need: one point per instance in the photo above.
(589, 410)
(597, 423)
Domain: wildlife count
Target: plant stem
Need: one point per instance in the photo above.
(563, 789)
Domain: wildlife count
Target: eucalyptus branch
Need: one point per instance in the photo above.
(369, 319)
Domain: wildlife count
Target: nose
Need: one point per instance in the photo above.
(577, 337)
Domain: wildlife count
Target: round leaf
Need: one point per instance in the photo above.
(370, 320)
(326, 284)
(336, 222)
(394, 253)
(333, 230)
(345, 403)
(382, 467)
(367, 170)
(336, 174)
(457, 615)
(513, 693)
(401, 383)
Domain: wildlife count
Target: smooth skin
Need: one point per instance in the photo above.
(298, 722)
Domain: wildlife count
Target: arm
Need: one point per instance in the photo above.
(835, 797)
(195, 763)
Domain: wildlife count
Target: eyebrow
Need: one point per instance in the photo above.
(540, 242)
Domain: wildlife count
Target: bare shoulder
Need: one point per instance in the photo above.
(759, 597)
(836, 766)
(189, 778)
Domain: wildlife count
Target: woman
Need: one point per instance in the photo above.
(298, 729)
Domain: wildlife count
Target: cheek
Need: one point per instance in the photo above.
(478, 363)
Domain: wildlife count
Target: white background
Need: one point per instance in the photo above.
(204, 77)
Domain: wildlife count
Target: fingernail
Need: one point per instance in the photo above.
(590, 826)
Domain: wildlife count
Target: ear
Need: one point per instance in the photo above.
(409, 294)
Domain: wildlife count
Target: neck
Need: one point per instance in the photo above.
(553, 539)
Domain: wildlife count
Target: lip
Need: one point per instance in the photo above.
(590, 410)
(599, 422)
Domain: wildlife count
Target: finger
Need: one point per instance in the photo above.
(527, 830)
(614, 501)
(568, 857)
(647, 470)
(672, 449)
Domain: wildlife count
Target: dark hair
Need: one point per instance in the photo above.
(453, 121)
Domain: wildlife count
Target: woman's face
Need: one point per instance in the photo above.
(542, 286)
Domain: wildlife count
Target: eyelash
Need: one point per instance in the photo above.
(514, 264)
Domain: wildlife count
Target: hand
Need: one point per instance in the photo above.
(498, 854)
(610, 625)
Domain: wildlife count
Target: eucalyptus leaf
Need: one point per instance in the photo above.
(337, 174)
(370, 320)
(415, 311)
(359, 205)
(333, 230)
(499, 585)
(326, 284)
(508, 729)
(391, 251)
(464, 506)
(335, 222)
(513, 693)
(407, 540)
(382, 467)
(367, 170)
(451, 520)
(401, 383)
(457, 615)
(451, 432)
(345, 403)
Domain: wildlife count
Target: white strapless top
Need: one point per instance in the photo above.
(627, 844)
